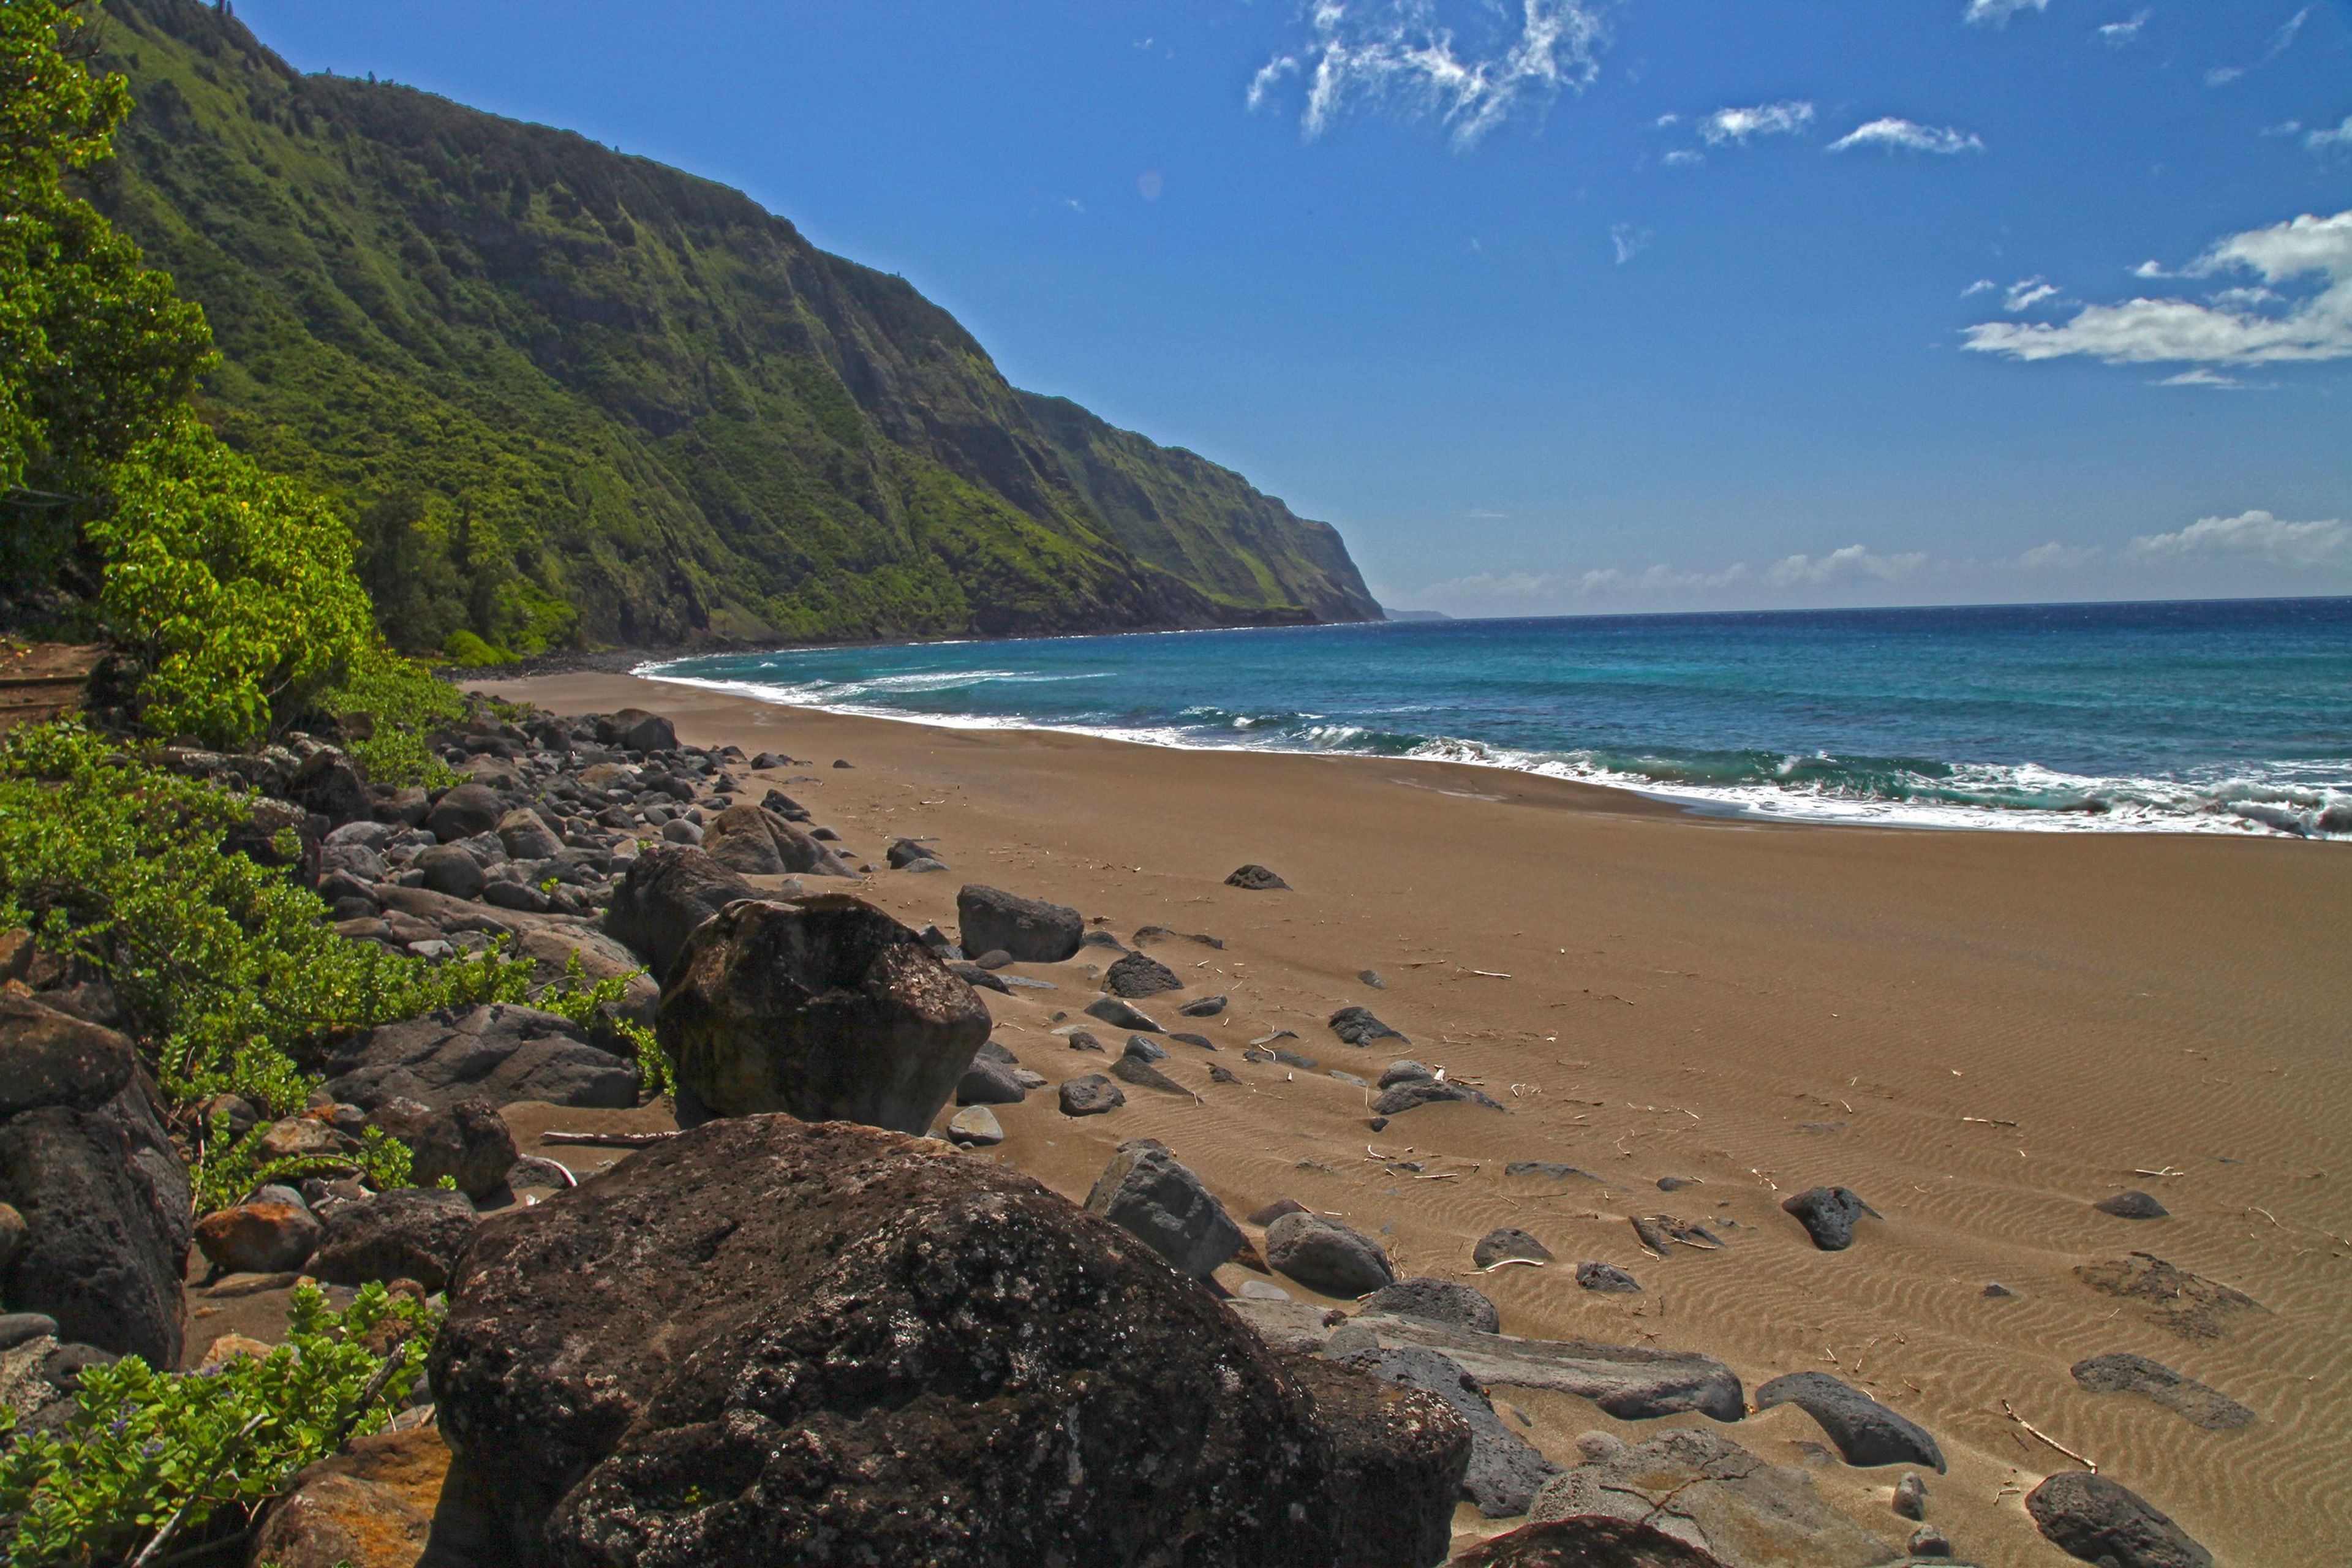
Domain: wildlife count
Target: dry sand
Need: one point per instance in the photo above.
(1980, 1033)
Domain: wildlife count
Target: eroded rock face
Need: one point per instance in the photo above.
(1149, 1192)
(826, 1008)
(100, 1193)
(664, 896)
(1031, 929)
(1504, 1471)
(1713, 1495)
(769, 1341)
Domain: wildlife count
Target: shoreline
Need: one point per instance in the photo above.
(1813, 811)
(1983, 1034)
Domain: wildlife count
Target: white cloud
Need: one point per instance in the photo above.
(1997, 13)
(1981, 286)
(2252, 536)
(2151, 269)
(2222, 76)
(1629, 241)
(1892, 133)
(1853, 561)
(1737, 125)
(2336, 141)
(1683, 157)
(2056, 557)
(2116, 35)
(2201, 376)
(1398, 55)
(2025, 295)
(1598, 583)
(2236, 327)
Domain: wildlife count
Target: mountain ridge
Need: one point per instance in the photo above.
(577, 398)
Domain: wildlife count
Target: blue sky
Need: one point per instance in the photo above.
(1557, 305)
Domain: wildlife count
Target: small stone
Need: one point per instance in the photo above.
(1606, 1278)
(988, 1083)
(1080, 1040)
(259, 1238)
(301, 1137)
(1031, 929)
(995, 958)
(1597, 1445)
(1828, 1214)
(1143, 1075)
(1324, 1255)
(1219, 1075)
(1405, 1072)
(1350, 1079)
(1997, 1291)
(1201, 1007)
(1119, 1016)
(1274, 1211)
(1257, 880)
(976, 1124)
(1865, 1432)
(1507, 1241)
(1911, 1498)
(1091, 1096)
(2132, 1204)
(1378, 1123)
(2100, 1520)
(1414, 1093)
(1357, 1026)
(1549, 1170)
(1371, 977)
(1200, 1042)
(1028, 1079)
(1139, 974)
(22, 1328)
(1675, 1184)
(1261, 1290)
(1929, 1542)
(1145, 1051)
(1149, 1192)
(227, 1348)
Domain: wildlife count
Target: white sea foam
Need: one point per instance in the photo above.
(2308, 800)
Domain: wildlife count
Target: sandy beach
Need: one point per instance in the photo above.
(1980, 1033)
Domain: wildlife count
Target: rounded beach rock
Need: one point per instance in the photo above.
(1324, 1255)
(1031, 929)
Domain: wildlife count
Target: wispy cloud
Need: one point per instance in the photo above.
(1981, 286)
(1853, 561)
(1400, 56)
(2234, 327)
(2117, 35)
(1600, 581)
(2215, 380)
(2281, 41)
(2252, 536)
(1997, 13)
(2056, 557)
(1737, 125)
(2025, 295)
(1628, 241)
(1893, 133)
(2336, 141)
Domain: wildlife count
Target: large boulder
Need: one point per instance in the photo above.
(1146, 1192)
(524, 835)
(100, 1192)
(758, 843)
(638, 730)
(1865, 1432)
(990, 920)
(369, 1506)
(666, 895)
(769, 1341)
(495, 1051)
(408, 1233)
(261, 1237)
(1711, 1494)
(552, 949)
(1590, 1541)
(826, 1008)
(1397, 1460)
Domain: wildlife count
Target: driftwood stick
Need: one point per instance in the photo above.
(2038, 1432)
(608, 1139)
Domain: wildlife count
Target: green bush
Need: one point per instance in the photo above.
(394, 701)
(462, 646)
(228, 1167)
(144, 1446)
(232, 975)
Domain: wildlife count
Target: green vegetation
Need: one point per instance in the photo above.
(146, 1450)
(230, 972)
(571, 396)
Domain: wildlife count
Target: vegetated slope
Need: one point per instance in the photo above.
(579, 397)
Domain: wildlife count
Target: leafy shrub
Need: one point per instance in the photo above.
(142, 1446)
(394, 702)
(597, 1008)
(462, 646)
(235, 586)
(230, 972)
(228, 1167)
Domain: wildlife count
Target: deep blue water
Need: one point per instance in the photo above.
(2231, 714)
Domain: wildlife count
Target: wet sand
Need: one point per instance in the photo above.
(1982, 1034)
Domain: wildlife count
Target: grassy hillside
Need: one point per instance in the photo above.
(574, 397)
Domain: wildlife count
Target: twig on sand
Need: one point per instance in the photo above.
(2167, 1171)
(2079, 1458)
(608, 1139)
(1509, 1262)
(1488, 973)
(1988, 1121)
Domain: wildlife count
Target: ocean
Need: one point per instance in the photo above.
(2216, 716)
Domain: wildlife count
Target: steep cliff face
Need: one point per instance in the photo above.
(575, 396)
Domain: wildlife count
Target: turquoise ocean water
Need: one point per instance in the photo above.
(2225, 716)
